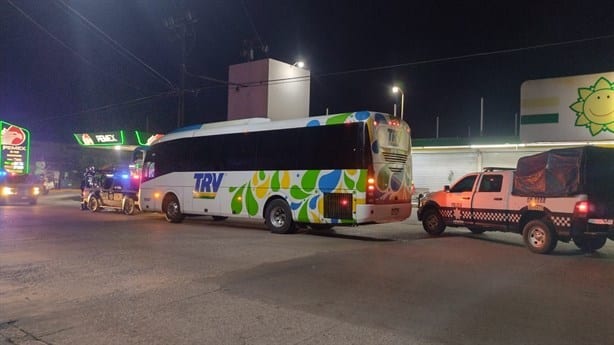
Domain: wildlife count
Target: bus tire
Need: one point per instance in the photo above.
(278, 217)
(539, 236)
(93, 204)
(591, 244)
(432, 222)
(128, 206)
(172, 209)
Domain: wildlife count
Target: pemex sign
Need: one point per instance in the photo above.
(14, 148)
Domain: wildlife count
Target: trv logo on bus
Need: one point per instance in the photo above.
(206, 185)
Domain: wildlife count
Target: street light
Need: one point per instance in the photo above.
(396, 89)
(299, 64)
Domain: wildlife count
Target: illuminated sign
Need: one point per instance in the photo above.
(576, 108)
(146, 139)
(100, 139)
(15, 148)
(116, 138)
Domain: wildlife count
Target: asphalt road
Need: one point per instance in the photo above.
(74, 277)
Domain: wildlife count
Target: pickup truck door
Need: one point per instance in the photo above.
(489, 204)
(459, 198)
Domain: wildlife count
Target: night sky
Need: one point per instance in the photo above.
(445, 55)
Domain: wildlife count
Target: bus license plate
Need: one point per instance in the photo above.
(395, 211)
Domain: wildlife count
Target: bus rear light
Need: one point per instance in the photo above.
(371, 181)
(371, 188)
(344, 202)
(156, 195)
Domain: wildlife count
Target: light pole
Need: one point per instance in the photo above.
(396, 89)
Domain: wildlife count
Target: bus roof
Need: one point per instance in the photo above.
(263, 124)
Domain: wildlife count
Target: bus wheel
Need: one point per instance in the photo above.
(278, 217)
(589, 245)
(433, 223)
(172, 211)
(539, 236)
(129, 206)
(93, 204)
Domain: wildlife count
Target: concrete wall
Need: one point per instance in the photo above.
(268, 88)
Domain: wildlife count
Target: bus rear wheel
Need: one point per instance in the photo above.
(278, 217)
(172, 211)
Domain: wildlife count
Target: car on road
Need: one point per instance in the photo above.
(18, 188)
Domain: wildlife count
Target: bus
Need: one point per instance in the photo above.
(343, 169)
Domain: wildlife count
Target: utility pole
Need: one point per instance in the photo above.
(481, 116)
(182, 27)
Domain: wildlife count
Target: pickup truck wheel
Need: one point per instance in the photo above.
(477, 231)
(432, 222)
(539, 236)
(589, 245)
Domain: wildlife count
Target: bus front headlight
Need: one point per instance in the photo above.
(36, 190)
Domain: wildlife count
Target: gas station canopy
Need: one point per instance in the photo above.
(118, 140)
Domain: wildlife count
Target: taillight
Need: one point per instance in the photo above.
(370, 190)
(581, 209)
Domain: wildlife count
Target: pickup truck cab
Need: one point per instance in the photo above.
(549, 197)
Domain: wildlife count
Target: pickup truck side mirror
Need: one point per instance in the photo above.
(446, 188)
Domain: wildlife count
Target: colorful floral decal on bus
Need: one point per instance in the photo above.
(305, 191)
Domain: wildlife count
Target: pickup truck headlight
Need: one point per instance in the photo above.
(36, 190)
(6, 191)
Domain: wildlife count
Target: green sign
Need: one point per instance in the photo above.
(15, 148)
(101, 138)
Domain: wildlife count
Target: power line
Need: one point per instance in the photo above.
(466, 56)
(406, 64)
(115, 45)
(110, 106)
(67, 47)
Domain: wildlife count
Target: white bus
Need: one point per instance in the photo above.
(343, 169)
